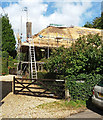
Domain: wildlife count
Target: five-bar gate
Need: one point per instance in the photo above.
(39, 87)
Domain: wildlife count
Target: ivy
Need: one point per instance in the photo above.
(79, 90)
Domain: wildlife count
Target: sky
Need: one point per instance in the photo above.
(44, 12)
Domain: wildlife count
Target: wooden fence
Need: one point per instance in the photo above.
(39, 87)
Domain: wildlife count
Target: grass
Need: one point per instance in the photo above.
(63, 105)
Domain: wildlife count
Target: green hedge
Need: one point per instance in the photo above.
(49, 75)
(83, 91)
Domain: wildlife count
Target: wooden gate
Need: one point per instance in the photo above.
(39, 87)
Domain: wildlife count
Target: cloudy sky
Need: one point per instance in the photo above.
(44, 12)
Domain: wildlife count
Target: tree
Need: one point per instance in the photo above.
(56, 63)
(8, 39)
(83, 60)
(96, 23)
(84, 56)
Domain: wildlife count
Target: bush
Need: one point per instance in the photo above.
(83, 60)
(83, 91)
(49, 75)
(11, 62)
(41, 75)
(7, 63)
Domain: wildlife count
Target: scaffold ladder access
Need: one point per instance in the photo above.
(33, 61)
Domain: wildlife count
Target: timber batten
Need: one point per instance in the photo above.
(60, 36)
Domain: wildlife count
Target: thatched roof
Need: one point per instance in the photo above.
(57, 36)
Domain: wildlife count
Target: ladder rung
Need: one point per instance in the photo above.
(33, 62)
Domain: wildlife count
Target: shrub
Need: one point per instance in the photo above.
(7, 63)
(83, 91)
(83, 60)
(49, 75)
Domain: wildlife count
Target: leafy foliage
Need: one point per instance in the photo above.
(96, 23)
(56, 63)
(84, 59)
(49, 75)
(82, 90)
(8, 39)
(8, 45)
(7, 62)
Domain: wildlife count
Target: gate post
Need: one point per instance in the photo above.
(67, 95)
(13, 85)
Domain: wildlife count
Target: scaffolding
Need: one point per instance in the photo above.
(46, 41)
(32, 64)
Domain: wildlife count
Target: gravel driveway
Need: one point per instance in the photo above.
(23, 106)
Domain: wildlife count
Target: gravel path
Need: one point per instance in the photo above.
(21, 106)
